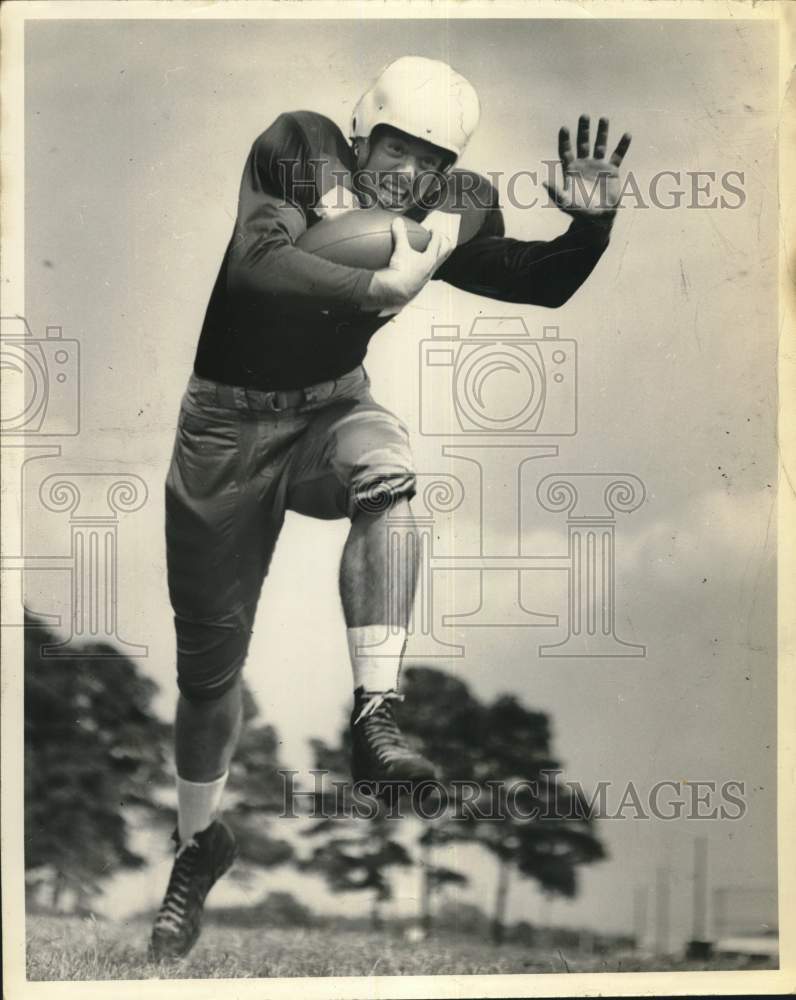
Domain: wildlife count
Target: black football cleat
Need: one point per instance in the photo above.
(379, 752)
(198, 864)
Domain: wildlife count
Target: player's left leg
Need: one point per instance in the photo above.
(356, 461)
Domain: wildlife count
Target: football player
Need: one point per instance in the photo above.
(278, 413)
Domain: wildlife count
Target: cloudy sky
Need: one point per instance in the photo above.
(136, 134)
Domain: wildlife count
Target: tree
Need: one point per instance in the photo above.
(435, 877)
(95, 753)
(358, 850)
(503, 748)
(533, 824)
(97, 758)
(356, 857)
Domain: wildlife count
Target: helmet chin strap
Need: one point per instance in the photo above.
(361, 150)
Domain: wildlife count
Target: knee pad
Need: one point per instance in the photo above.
(210, 654)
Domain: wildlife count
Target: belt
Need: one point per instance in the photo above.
(273, 400)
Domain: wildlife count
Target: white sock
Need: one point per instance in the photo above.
(197, 804)
(376, 652)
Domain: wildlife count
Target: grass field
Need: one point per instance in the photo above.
(66, 948)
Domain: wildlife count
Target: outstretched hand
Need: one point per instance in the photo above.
(591, 186)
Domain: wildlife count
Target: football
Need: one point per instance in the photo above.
(363, 237)
(360, 238)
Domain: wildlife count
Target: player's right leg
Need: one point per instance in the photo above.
(220, 534)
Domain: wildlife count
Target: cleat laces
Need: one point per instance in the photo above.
(381, 729)
(172, 913)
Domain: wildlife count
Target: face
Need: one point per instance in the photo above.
(399, 168)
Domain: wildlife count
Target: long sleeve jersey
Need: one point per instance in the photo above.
(281, 318)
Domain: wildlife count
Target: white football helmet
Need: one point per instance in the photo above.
(425, 98)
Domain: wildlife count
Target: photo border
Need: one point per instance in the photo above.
(13, 19)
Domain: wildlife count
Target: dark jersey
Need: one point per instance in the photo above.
(280, 318)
